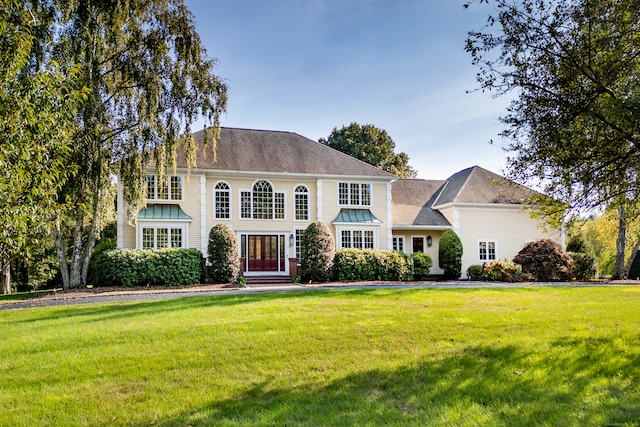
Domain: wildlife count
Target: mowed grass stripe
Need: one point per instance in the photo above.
(527, 356)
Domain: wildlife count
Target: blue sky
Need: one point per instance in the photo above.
(308, 66)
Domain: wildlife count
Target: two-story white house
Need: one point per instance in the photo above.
(268, 186)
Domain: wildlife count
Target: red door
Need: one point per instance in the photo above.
(263, 253)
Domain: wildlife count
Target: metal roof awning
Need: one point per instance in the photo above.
(163, 213)
(356, 216)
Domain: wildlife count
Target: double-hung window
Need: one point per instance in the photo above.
(163, 237)
(170, 188)
(354, 194)
(357, 238)
(486, 250)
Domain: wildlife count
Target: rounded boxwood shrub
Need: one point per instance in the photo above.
(317, 253)
(474, 272)
(422, 264)
(585, 266)
(450, 255)
(224, 255)
(545, 261)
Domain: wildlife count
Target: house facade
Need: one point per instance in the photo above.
(268, 186)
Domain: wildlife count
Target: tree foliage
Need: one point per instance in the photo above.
(149, 79)
(372, 145)
(36, 114)
(575, 70)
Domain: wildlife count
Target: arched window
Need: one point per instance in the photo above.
(301, 200)
(222, 200)
(262, 199)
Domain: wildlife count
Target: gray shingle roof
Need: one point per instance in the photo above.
(412, 200)
(277, 152)
(478, 185)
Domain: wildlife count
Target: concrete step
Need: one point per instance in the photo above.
(255, 281)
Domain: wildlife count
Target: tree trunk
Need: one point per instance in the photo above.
(61, 252)
(91, 239)
(619, 268)
(6, 275)
(75, 271)
(634, 252)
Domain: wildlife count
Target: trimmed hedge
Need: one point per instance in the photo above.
(370, 264)
(142, 267)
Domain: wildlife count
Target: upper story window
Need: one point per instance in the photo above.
(169, 189)
(222, 201)
(486, 250)
(301, 196)
(262, 202)
(354, 194)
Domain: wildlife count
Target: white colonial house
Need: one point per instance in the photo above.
(268, 186)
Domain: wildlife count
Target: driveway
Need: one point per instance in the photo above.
(101, 295)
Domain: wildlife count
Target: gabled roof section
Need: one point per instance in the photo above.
(276, 152)
(478, 185)
(412, 200)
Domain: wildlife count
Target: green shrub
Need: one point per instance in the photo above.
(474, 272)
(422, 264)
(317, 253)
(142, 267)
(370, 264)
(502, 270)
(450, 255)
(585, 266)
(224, 255)
(545, 261)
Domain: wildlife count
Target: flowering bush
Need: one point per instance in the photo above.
(502, 270)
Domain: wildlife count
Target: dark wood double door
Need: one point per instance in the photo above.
(266, 253)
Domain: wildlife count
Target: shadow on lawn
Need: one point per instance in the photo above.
(478, 386)
(108, 309)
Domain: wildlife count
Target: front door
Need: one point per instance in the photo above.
(418, 244)
(263, 253)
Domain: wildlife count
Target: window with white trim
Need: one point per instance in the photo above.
(298, 243)
(169, 189)
(222, 201)
(354, 194)
(398, 243)
(358, 238)
(162, 237)
(301, 203)
(486, 250)
(262, 202)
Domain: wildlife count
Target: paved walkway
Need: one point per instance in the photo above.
(95, 297)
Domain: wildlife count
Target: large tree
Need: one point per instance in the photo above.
(149, 78)
(372, 145)
(573, 67)
(36, 118)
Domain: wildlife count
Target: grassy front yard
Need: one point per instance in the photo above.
(530, 356)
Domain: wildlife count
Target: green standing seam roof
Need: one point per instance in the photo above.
(164, 212)
(359, 216)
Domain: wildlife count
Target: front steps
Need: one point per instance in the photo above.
(266, 281)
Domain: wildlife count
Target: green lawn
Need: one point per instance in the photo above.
(488, 357)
